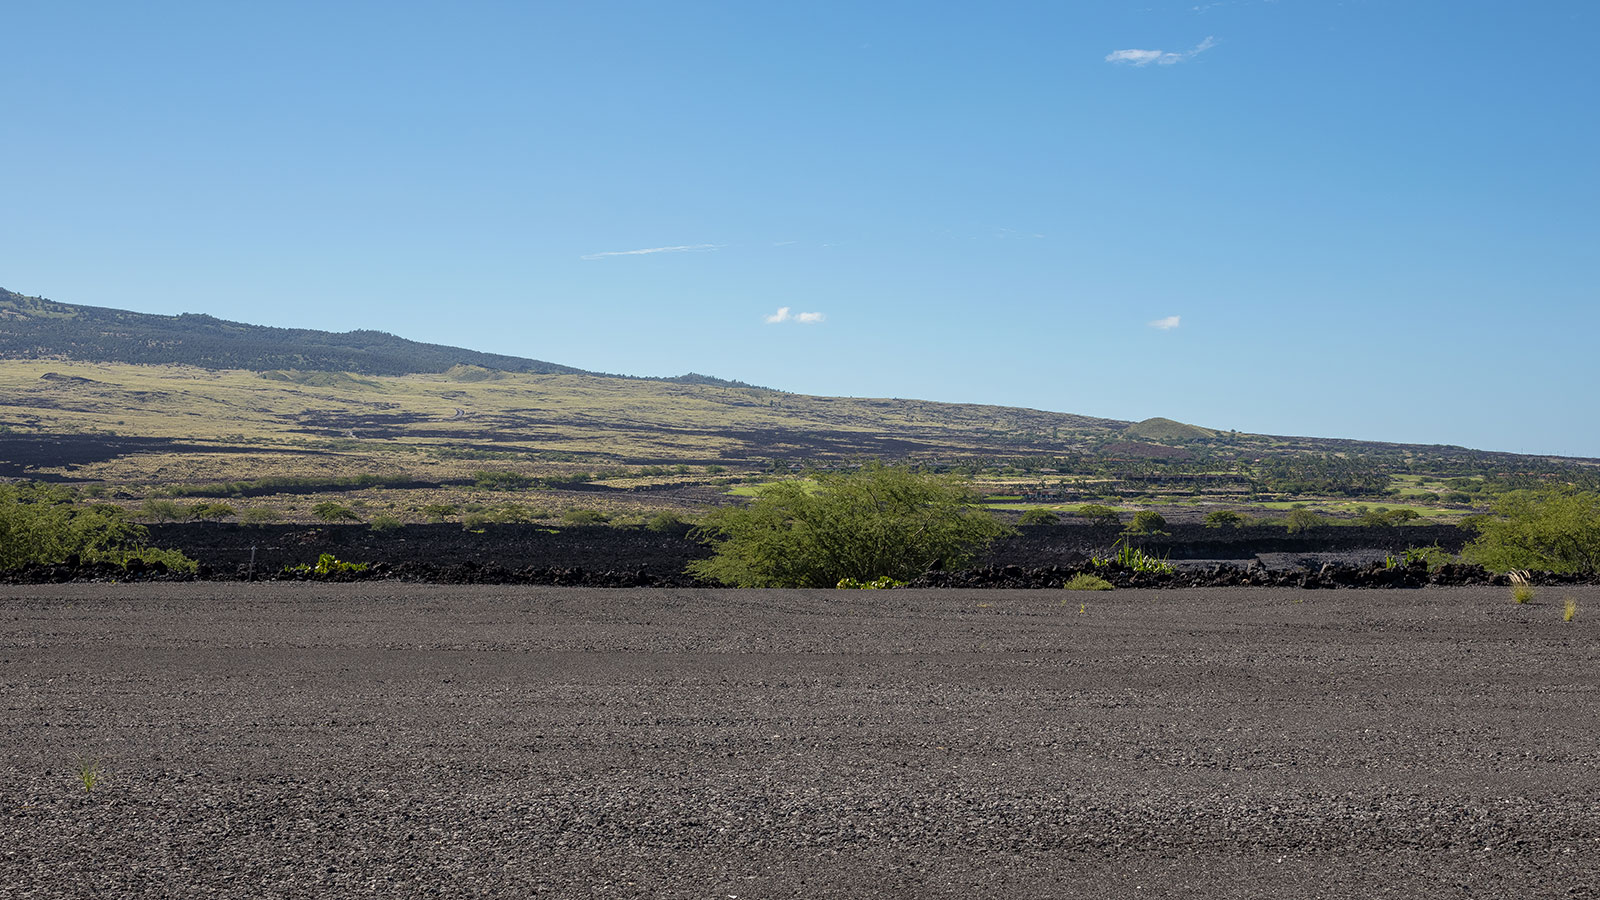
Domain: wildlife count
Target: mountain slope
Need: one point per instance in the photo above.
(35, 328)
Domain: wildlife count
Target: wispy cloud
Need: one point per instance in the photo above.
(1159, 57)
(686, 248)
(1166, 324)
(784, 315)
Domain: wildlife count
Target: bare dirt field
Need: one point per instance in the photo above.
(394, 740)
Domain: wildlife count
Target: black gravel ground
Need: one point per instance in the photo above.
(392, 740)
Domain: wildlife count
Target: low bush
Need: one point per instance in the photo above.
(171, 560)
(877, 584)
(386, 522)
(328, 564)
(665, 523)
(584, 517)
(329, 511)
(1087, 582)
(42, 524)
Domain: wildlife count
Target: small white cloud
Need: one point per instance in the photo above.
(805, 318)
(686, 248)
(1159, 57)
(1166, 324)
(1137, 57)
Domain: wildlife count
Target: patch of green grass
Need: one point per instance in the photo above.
(1087, 582)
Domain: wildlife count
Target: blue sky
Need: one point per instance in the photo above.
(1372, 218)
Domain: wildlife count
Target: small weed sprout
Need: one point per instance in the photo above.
(1571, 610)
(90, 772)
(1521, 586)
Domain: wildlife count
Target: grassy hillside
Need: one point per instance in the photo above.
(88, 397)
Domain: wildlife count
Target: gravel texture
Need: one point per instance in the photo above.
(395, 740)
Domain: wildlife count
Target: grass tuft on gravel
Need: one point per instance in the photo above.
(1086, 582)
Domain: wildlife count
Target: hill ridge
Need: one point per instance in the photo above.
(35, 327)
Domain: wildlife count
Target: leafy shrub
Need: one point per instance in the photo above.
(1223, 518)
(1039, 517)
(877, 584)
(42, 524)
(878, 521)
(1555, 530)
(1433, 556)
(327, 564)
(1087, 582)
(329, 511)
(1570, 610)
(584, 517)
(494, 480)
(173, 560)
(161, 510)
(386, 522)
(476, 522)
(1147, 521)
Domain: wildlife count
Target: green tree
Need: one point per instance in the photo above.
(210, 512)
(1147, 521)
(880, 521)
(1224, 518)
(260, 515)
(1039, 517)
(1098, 513)
(161, 510)
(1304, 520)
(1556, 530)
